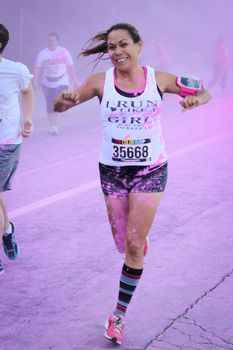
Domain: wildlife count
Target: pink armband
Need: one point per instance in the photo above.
(189, 86)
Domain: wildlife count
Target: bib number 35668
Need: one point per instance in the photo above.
(130, 153)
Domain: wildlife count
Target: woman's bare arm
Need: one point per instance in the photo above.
(92, 87)
(167, 84)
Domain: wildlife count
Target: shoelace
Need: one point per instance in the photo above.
(118, 324)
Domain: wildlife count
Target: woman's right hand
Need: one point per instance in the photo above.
(66, 100)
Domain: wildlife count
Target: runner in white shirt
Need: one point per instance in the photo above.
(15, 80)
(133, 159)
(55, 69)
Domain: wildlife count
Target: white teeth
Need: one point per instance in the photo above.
(121, 59)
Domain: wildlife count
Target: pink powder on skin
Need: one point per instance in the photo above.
(132, 91)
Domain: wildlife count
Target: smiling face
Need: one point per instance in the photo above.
(123, 52)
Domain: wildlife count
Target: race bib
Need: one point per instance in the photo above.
(131, 150)
(52, 70)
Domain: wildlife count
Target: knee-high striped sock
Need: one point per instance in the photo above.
(128, 283)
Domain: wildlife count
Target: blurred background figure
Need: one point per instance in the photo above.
(55, 70)
(159, 57)
(220, 66)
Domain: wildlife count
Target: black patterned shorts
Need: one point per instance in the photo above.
(118, 182)
(9, 159)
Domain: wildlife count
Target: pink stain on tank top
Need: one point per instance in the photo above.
(132, 91)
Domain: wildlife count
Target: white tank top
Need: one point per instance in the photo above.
(132, 125)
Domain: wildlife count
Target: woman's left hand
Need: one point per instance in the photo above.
(190, 102)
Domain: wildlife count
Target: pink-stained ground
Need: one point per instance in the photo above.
(64, 284)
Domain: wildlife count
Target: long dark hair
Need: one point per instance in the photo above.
(98, 43)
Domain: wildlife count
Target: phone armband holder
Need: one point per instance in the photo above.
(189, 86)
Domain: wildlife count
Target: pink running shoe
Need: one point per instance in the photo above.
(146, 246)
(114, 328)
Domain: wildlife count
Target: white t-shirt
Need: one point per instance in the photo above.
(132, 132)
(54, 66)
(14, 78)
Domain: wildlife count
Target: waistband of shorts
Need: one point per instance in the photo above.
(153, 166)
(9, 145)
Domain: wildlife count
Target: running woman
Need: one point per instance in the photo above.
(133, 159)
(55, 70)
(15, 80)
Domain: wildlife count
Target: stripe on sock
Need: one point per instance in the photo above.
(120, 310)
(127, 286)
(126, 291)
